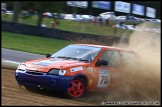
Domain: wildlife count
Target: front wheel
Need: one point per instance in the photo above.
(77, 88)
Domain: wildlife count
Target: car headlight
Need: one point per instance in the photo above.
(22, 67)
(57, 72)
(62, 72)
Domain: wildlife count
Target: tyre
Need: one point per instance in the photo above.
(76, 89)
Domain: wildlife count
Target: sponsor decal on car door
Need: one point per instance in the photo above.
(104, 77)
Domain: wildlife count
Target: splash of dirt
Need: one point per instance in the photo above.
(141, 81)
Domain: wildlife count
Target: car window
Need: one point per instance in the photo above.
(81, 52)
(113, 58)
(129, 58)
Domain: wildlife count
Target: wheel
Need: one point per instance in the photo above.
(77, 88)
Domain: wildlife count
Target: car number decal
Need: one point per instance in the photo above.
(104, 78)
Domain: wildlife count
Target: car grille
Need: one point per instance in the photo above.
(35, 72)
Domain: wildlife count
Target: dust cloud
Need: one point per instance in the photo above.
(141, 80)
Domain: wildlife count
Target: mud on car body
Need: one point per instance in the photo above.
(75, 69)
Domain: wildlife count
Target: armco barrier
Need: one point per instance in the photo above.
(56, 33)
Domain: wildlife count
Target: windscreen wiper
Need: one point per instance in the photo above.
(80, 59)
(66, 57)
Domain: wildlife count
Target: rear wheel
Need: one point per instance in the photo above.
(77, 88)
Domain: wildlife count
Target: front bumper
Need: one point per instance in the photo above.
(43, 80)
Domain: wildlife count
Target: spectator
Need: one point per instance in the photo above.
(53, 24)
(30, 10)
(134, 25)
(107, 22)
(100, 21)
(95, 20)
(74, 15)
(115, 29)
(127, 16)
(121, 23)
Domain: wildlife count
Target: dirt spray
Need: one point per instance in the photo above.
(141, 81)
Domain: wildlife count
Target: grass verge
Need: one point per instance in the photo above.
(30, 43)
(74, 26)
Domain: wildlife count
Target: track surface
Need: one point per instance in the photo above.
(18, 56)
(12, 94)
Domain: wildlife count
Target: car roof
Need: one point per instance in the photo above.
(103, 46)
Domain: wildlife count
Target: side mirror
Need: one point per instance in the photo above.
(48, 55)
(101, 62)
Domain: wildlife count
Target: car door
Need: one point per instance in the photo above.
(107, 73)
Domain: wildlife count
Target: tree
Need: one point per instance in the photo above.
(41, 10)
(16, 7)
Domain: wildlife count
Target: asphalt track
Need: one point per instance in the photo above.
(18, 56)
(12, 94)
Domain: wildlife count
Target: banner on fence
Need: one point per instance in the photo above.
(81, 4)
(122, 7)
(102, 4)
(138, 9)
(150, 12)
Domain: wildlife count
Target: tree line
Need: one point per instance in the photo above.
(61, 7)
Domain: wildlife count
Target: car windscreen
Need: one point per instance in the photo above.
(81, 52)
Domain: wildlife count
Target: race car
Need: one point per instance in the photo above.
(74, 69)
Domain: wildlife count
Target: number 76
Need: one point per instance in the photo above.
(104, 79)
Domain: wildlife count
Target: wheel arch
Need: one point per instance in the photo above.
(82, 76)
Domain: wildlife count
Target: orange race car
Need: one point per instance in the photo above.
(75, 69)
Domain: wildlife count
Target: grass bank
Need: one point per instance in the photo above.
(30, 43)
(74, 26)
